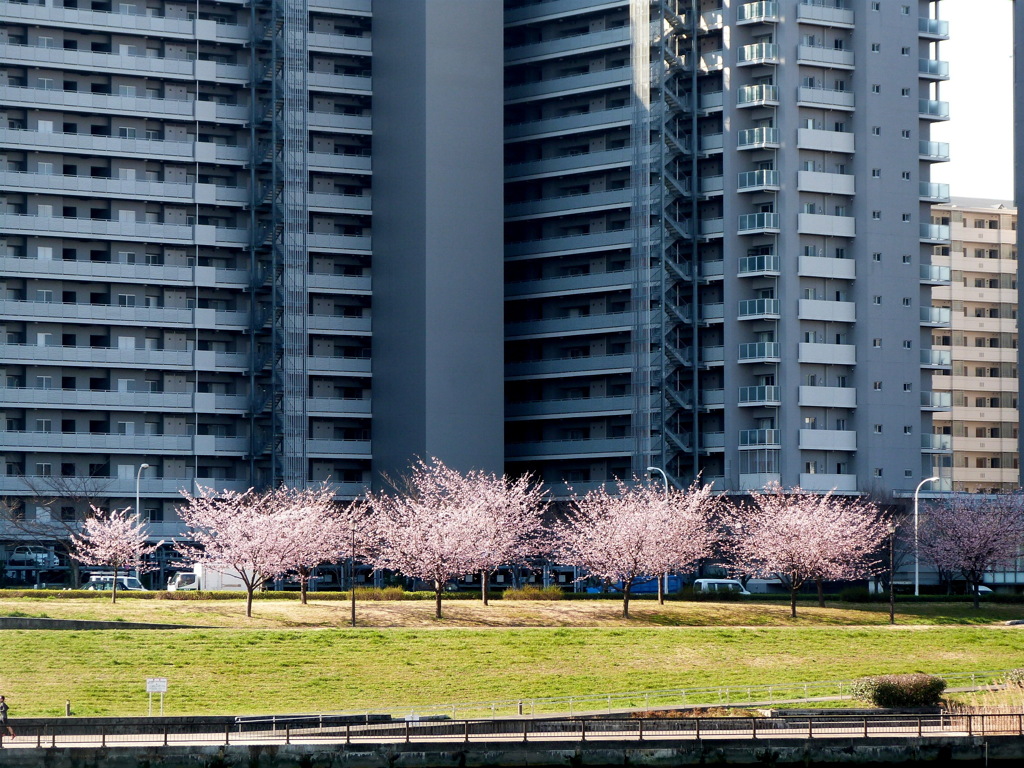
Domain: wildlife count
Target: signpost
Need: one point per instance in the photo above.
(156, 685)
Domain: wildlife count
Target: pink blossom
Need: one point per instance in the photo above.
(115, 540)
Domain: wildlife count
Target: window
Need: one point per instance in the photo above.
(906, 258)
(907, 429)
(876, 130)
(876, 385)
(906, 175)
(906, 301)
(877, 472)
(905, 133)
(876, 215)
(908, 387)
(908, 344)
(876, 256)
(877, 429)
(876, 88)
(876, 299)
(876, 173)
(906, 217)
(876, 5)
(905, 51)
(905, 10)
(876, 47)
(44, 470)
(904, 92)
(876, 343)
(125, 300)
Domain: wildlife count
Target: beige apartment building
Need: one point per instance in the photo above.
(975, 360)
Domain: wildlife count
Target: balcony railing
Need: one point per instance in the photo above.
(936, 401)
(932, 273)
(757, 138)
(753, 180)
(758, 53)
(760, 308)
(934, 150)
(756, 438)
(760, 351)
(764, 264)
(933, 109)
(939, 316)
(933, 27)
(940, 358)
(934, 193)
(765, 395)
(749, 95)
(933, 68)
(935, 232)
(761, 11)
(937, 442)
(759, 222)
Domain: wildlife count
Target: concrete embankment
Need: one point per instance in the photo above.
(939, 751)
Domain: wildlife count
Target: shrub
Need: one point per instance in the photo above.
(531, 592)
(380, 593)
(913, 690)
(857, 595)
(1014, 678)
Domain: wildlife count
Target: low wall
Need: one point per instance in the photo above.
(964, 751)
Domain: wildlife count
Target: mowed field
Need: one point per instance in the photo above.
(295, 658)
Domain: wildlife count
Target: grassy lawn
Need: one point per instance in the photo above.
(293, 658)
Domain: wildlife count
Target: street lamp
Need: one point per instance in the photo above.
(664, 477)
(138, 476)
(917, 556)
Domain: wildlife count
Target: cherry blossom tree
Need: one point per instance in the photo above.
(247, 532)
(801, 537)
(115, 540)
(513, 511)
(431, 528)
(971, 535)
(635, 534)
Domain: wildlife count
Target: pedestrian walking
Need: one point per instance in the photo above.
(3, 717)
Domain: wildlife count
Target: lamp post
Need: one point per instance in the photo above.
(664, 477)
(138, 477)
(917, 556)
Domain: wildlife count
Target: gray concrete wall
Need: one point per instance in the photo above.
(438, 234)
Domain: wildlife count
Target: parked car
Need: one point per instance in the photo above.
(32, 557)
(719, 585)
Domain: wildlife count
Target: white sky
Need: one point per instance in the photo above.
(980, 96)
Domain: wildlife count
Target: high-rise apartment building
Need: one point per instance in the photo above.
(717, 242)
(979, 391)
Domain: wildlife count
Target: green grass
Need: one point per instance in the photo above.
(256, 671)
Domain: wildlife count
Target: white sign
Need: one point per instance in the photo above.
(156, 685)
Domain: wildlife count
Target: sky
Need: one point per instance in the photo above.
(979, 92)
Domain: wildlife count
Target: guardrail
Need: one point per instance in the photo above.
(527, 730)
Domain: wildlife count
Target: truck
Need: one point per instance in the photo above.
(207, 579)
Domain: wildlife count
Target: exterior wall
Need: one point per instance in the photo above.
(979, 392)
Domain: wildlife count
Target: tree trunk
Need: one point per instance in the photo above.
(792, 601)
(892, 578)
(661, 589)
(977, 596)
(248, 600)
(303, 584)
(625, 600)
(821, 593)
(113, 593)
(485, 578)
(76, 573)
(438, 586)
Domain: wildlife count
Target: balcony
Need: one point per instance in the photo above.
(712, 143)
(337, 324)
(760, 438)
(825, 141)
(573, 44)
(570, 284)
(568, 85)
(936, 358)
(934, 151)
(822, 483)
(825, 97)
(827, 311)
(135, 189)
(569, 124)
(769, 396)
(574, 407)
(334, 121)
(760, 309)
(828, 397)
(934, 193)
(758, 53)
(712, 313)
(936, 317)
(758, 481)
(828, 440)
(569, 366)
(622, 238)
(935, 233)
(565, 449)
(712, 442)
(758, 138)
(712, 356)
(763, 265)
(937, 443)
(106, 313)
(338, 44)
(338, 406)
(936, 401)
(758, 96)
(138, 106)
(21, 397)
(712, 399)
(349, 366)
(757, 181)
(328, 81)
(710, 228)
(584, 161)
(554, 206)
(337, 162)
(711, 101)
(827, 267)
(934, 29)
(931, 109)
(80, 143)
(756, 13)
(712, 270)
(760, 352)
(552, 10)
(832, 13)
(827, 354)
(200, 234)
(582, 324)
(820, 56)
(932, 274)
(87, 442)
(759, 223)
(826, 183)
(824, 224)
(338, 449)
(933, 69)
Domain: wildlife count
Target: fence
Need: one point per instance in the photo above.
(526, 730)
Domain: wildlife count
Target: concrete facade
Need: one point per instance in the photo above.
(976, 400)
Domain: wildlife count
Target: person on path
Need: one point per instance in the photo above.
(3, 717)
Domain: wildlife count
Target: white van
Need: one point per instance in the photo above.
(719, 585)
(105, 581)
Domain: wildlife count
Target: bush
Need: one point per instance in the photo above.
(857, 595)
(913, 690)
(1014, 678)
(531, 592)
(378, 593)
